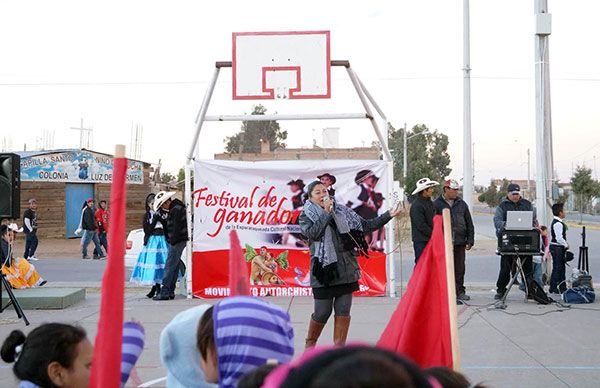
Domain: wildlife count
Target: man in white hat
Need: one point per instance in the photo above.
(177, 237)
(421, 215)
(463, 231)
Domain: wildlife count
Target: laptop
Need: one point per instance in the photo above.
(519, 220)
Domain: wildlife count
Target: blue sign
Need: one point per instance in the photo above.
(76, 167)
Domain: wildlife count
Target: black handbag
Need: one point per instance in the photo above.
(569, 256)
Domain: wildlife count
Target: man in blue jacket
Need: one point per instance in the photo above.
(512, 202)
(463, 232)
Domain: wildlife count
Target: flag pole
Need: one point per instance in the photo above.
(449, 248)
(106, 368)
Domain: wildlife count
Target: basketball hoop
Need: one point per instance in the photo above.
(281, 65)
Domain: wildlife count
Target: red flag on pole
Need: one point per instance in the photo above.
(106, 365)
(238, 272)
(421, 326)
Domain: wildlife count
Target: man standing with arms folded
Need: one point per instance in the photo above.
(421, 215)
(512, 202)
(30, 228)
(463, 232)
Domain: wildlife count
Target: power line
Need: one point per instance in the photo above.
(407, 78)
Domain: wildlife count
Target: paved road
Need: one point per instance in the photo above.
(526, 345)
(482, 263)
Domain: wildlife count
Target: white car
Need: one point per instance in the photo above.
(135, 242)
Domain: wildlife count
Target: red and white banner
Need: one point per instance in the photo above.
(262, 201)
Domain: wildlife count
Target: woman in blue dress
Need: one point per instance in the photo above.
(150, 266)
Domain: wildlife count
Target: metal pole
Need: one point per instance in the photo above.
(275, 117)
(467, 151)
(528, 174)
(405, 161)
(544, 168)
(188, 246)
(386, 152)
(202, 113)
(363, 95)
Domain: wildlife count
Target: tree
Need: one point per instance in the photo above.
(252, 132)
(584, 187)
(427, 155)
(167, 177)
(181, 179)
(492, 196)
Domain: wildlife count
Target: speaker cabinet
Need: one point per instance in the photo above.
(10, 186)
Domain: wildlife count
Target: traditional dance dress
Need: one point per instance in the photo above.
(19, 272)
(150, 266)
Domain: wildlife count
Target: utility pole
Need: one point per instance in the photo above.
(84, 141)
(544, 157)
(404, 155)
(528, 174)
(467, 151)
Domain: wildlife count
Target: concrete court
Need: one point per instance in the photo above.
(527, 345)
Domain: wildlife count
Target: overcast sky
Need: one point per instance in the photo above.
(115, 64)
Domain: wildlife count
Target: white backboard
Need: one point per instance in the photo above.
(284, 65)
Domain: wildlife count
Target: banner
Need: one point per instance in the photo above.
(76, 166)
(262, 201)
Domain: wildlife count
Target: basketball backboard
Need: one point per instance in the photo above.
(284, 65)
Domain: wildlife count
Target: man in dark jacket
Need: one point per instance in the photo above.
(89, 228)
(177, 237)
(512, 202)
(30, 227)
(463, 232)
(421, 215)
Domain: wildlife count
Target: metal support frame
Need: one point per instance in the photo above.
(365, 98)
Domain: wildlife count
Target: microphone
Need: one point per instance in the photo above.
(328, 202)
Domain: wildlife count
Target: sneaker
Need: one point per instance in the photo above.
(86, 258)
(498, 296)
(42, 283)
(32, 258)
(463, 296)
(459, 302)
(96, 257)
(102, 258)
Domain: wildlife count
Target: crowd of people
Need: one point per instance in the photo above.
(552, 257)
(247, 342)
(239, 341)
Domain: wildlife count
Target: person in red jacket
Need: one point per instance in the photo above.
(102, 220)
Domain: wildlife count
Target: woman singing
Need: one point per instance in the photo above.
(336, 237)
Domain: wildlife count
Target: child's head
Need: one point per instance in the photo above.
(52, 355)
(558, 210)
(205, 341)
(449, 378)
(178, 350)
(247, 331)
(544, 230)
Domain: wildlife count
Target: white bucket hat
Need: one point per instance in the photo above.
(15, 228)
(424, 183)
(161, 198)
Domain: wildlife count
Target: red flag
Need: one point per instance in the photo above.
(238, 272)
(420, 326)
(106, 366)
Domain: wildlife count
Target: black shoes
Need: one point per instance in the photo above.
(164, 297)
(498, 295)
(463, 296)
(153, 291)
